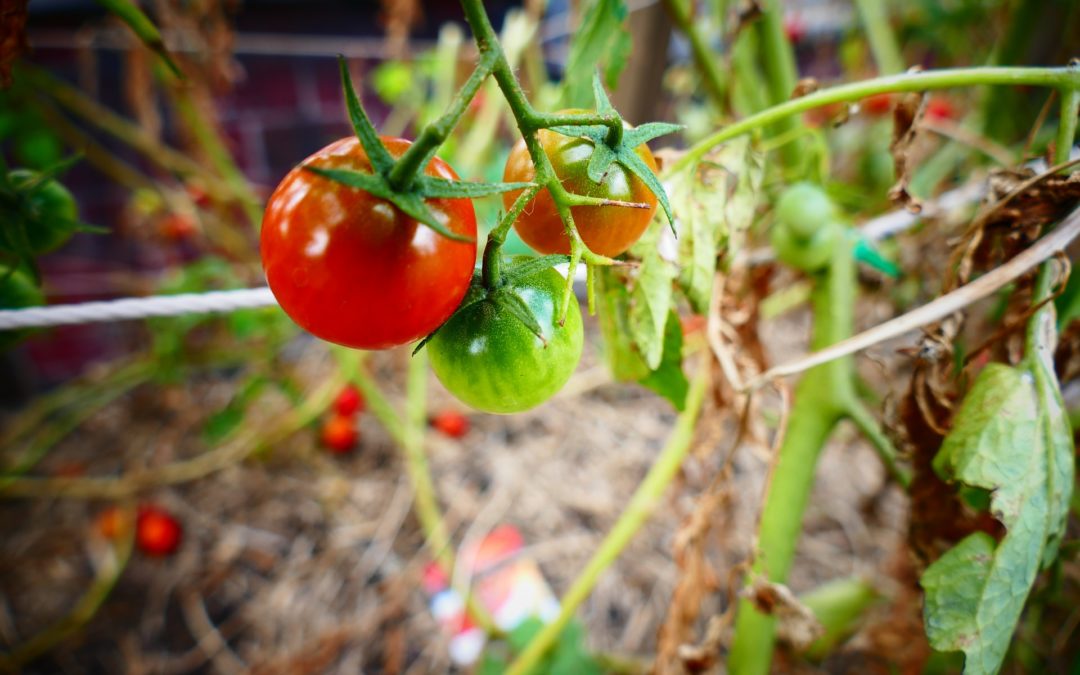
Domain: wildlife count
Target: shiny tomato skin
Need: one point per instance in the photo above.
(606, 230)
(352, 269)
(487, 358)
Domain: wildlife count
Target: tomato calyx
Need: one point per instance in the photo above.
(616, 144)
(495, 284)
(407, 193)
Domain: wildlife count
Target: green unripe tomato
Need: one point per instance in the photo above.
(50, 212)
(805, 208)
(17, 290)
(488, 358)
(808, 255)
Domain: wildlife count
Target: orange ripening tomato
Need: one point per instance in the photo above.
(339, 434)
(451, 423)
(606, 230)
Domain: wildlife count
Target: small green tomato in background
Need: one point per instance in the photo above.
(489, 359)
(17, 290)
(50, 212)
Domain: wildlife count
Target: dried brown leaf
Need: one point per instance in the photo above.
(796, 623)
(12, 36)
(907, 117)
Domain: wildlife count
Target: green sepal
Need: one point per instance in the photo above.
(476, 293)
(432, 187)
(530, 266)
(369, 138)
(625, 152)
(410, 203)
(140, 24)
(512, 303)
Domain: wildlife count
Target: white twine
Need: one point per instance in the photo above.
(126, 309)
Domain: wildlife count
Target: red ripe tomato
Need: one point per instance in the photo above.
(606, 230)
(349, 401)
(877, 105)
(178, 227)
(939, 109)
(451, 423)
(339, 434)
(157, 533)
(351, 268)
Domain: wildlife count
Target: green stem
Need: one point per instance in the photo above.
(781, 74)
(871, 430)
(642, 505)
(882, 40)
(707, 62)
(823, 397)
(933, 79)
(435, 134)
(529, 121)
(1070, 108)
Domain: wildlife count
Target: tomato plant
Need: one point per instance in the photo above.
(157, 532)
(353, 269)
(607, 230)
(489, 358)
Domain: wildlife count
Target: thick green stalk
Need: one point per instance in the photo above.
(435, 134)
(1070, 107)
(875, 18)
(933, 79)
(781, 76)
(642, 505)
(822, 398)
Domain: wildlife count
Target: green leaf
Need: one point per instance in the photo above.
(651, 298)
(377, 153)
(715, 201)
(1004, 439)
(602, 38)
(569, 656)
(143, 27)
(669, 380)
(613, 308)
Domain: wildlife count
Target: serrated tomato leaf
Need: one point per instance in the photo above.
(715, 201)
(601, 38)
(669, 380)
(651, 297)
(1001, 441)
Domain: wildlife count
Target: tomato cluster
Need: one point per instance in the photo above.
(346, 262)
